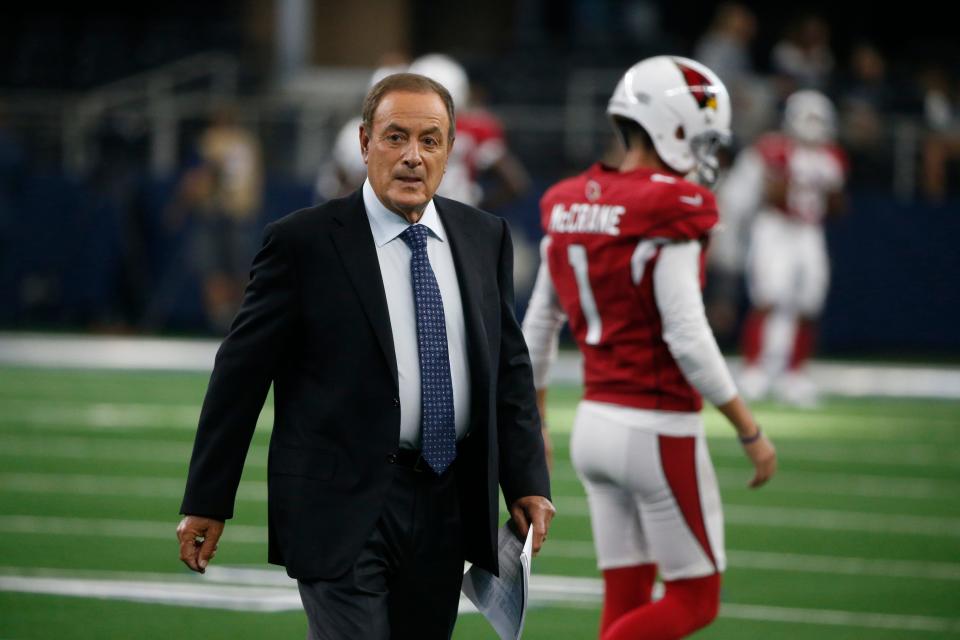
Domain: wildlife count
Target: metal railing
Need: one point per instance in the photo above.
(299, 121)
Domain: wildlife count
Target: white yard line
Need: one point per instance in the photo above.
(118, 416)
(95, 352)
(822, 519)
(576, 506)
(100, 448)
(112, 528)
(98, 485)
(950, 571)
(163, 450)
(162, 354)
(255, 490)
(799, 562)
(735, 476)
(280, 594)
(896, 455)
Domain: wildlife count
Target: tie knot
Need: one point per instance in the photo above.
(415, 236)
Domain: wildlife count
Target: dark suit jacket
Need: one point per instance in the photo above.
(314, 321)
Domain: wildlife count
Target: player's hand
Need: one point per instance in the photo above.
(764, 459)
(198, 538)
(534, 511)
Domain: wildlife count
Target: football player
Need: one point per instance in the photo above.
(793, 180)
(622, 262)
(480, 146)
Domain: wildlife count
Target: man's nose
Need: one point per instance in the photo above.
(411, 155)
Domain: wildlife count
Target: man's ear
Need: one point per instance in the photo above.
(364, 142)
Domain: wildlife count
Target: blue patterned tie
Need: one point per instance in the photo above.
(437, 430)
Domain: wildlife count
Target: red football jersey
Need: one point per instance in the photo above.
(811, 173)
(479, 145)
(606, 229)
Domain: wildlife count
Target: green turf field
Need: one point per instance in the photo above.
(857, 537)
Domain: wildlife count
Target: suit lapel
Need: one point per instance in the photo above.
(467, 260)
(354, 243)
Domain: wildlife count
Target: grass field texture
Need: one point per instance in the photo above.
(857, 537)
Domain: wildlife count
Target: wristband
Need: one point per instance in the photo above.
(751, 439)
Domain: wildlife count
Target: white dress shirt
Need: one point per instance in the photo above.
(394, 257)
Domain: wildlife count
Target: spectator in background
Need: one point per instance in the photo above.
(224, 195)
(802, 59)
(12, 170)
(12, 167)
(725, 48)
(788, 183)
(941, 114)
(866, 99)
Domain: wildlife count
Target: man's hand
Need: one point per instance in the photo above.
(764, 459)
(536, 511)
(198, 538)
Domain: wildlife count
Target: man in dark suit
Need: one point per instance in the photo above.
(402, 387)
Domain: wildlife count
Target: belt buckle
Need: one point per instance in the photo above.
(420, 465)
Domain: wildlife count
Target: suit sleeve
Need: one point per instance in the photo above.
(523, 465)
(244, 368)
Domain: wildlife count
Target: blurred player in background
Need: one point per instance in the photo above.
(481, 170)
(793, 180)
(344, 171)
(622, 261)
(480, 148)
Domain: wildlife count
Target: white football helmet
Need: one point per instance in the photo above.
(446, 71)
(683, 106)
(810, 117)
(346, 152)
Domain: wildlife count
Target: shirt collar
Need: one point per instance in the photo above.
(387, 225)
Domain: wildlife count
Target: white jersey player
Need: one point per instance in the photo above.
(622, 262)
(793, 180)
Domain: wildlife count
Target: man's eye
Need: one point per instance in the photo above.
(395, 137)
(431, 142)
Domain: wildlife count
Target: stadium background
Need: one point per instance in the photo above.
(100, 109)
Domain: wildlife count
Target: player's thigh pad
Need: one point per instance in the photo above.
(679, 503)
(598, 452)
(814, 272)
(640, 510)
(771, 262)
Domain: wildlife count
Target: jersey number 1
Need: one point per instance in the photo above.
(577, 256)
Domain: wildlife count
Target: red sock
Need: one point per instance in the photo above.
(802, 343)
(686, 606)
(625, 589)
(752, 340)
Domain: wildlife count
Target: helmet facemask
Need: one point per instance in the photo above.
(705, 146)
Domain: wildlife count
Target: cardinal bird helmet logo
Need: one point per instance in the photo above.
(700, 88)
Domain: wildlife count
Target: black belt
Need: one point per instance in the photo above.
(413, 458)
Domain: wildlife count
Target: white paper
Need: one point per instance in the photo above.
(503, 600)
